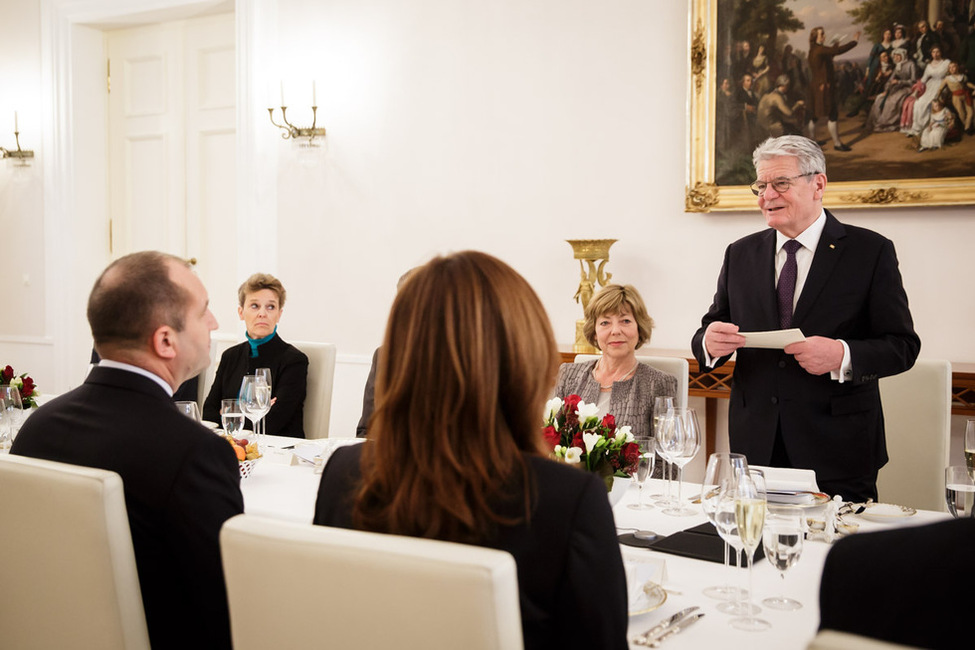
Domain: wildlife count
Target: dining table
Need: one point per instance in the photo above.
(284, 485)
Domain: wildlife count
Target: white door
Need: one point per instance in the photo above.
(172, 147)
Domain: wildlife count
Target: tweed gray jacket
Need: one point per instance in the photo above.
(631, 401)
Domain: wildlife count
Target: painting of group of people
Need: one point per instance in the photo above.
(917, 80)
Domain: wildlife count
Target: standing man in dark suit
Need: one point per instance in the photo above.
(815, 404)
(823, 99)
(151, 323)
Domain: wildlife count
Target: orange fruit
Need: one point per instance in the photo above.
(241, 452)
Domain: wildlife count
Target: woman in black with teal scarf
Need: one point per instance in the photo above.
(261, 299)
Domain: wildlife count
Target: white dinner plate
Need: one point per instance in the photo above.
(648, 599)
(209, 425)
(886, 512)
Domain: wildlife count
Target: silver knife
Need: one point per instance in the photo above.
(659, 628)
(674, 629)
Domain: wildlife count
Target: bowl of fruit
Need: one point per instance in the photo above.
(247, 454)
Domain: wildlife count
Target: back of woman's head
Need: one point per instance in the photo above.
(466, 365)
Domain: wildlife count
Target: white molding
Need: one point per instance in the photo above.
(27, 340)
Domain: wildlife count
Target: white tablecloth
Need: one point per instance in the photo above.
(288, 491)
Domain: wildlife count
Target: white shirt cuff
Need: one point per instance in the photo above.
(845, 373)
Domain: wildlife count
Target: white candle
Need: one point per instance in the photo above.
(282, 94)
(15, 121)
(314, 102)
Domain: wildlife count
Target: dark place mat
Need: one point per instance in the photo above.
(630, 539)
(706, 545)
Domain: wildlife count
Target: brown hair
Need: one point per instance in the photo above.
(612, 299)
(258, 282)
(132, 297)
(466, 365)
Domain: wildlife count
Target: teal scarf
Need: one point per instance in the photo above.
(256, 342)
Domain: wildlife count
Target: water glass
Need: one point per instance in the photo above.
(782, 540)
(959, 491)
(190, 409)
(643, 471)
(231, 417)
(660, 407)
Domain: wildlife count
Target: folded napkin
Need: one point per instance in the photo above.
(700, 543)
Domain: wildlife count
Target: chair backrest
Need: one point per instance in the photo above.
(68, 577)
(834, 640)
(219, 343)
(318, 395)
(675, 366)
(917, 419)
(296, 585)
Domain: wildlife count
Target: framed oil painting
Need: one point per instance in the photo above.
(893, 113)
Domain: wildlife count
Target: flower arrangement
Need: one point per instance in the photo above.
(579, 437)
(24, 384)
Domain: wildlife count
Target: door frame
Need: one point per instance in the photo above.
(75, 199)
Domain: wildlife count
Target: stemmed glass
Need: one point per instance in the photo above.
(190, 409)
(660, 407)
(681, 436)
(750, 507)
(723, 469)
(266, 373)
(959, 492)
(644, 469)
(255, 401)
(782, 540)
(13, 410)
(231, 416)
(970, 447)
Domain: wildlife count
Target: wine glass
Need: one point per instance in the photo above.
(727, 525)
(266, 373)
(721, 467)
(682, 437)
(190, 409)
(231, 416)
(750, 506)
(782, 540)
(644, 469)
(13, 409)
(959, 491)
(5, 437)
(255, 400)
(970, 447)
(660, 407)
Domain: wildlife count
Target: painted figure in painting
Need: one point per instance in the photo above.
(822, 88)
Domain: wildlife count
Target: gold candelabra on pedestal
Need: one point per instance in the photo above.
(595, 254)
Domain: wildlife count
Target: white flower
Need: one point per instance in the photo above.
(586, 412)
(623, 434)
(591, 440)
(17, 382)
(551, 409)
(573, 455)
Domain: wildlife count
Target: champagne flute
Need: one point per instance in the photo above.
(782, 540)
(255, 400)
(970, 447)
(660, 408)
(266, 373)
(13, 409)
(644, 469)
(190, 409)
(722, 467)
(750, 506)
(959, 492)
(727, 525)
(682, 436)
(231, 416)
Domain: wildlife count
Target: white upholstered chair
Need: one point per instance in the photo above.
(68, 577)
(318, 395)
(834, 640)
(296, 585)
(675, 366)
(917, 419)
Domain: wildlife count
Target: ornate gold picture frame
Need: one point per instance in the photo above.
(704, 194)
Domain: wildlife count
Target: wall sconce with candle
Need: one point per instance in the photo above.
(293, 132)
(20, 157)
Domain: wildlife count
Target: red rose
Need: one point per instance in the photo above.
(631, 456)
(569, 404)
(28, 388)
(552, 436)
(609, 421)
(7, 374)
(577, 441)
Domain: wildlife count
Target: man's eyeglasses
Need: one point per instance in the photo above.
(780, 185)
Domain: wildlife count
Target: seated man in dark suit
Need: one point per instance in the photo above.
(151, 325)
(911, 586)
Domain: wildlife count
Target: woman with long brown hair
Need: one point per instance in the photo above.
(454, 450)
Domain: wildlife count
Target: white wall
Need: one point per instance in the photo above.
(507, 126)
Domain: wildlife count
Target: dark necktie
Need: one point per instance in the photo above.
(787, 283)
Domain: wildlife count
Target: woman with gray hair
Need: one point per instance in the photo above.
(885, 114)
